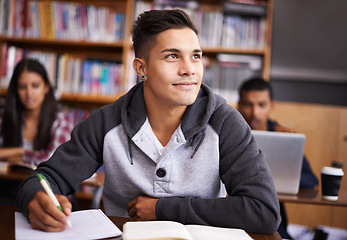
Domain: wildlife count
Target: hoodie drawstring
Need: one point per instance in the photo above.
(198, 137)
(130, 151)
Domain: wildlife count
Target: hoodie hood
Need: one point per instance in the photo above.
(194, 121)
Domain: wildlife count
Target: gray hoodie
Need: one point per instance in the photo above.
(211, 171)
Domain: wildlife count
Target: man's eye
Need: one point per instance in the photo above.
(197, 56)
(172, 56)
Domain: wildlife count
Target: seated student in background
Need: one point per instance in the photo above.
(171, 148)
(31, 124)
(255, 104)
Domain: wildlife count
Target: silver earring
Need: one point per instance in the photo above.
(143, 77)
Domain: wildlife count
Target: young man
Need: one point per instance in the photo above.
(171, 148)
(255, 104)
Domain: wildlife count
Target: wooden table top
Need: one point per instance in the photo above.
(314, 196)
(7, 225)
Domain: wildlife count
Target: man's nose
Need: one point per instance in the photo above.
(255, 111)
(186, 67)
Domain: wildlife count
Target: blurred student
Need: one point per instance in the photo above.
(32, 125)
(255, 104)
(171, 148)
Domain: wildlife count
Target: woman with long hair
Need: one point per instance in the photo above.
(32, 125)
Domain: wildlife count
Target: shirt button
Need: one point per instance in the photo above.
(161, 172)
(177, 139)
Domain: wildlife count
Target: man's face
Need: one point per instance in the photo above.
(255, 106)
(174, 69)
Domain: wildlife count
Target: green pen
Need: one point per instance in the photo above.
(48, 190)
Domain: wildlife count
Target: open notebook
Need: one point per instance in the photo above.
(284, 154)
(160, 230)
(86, 224)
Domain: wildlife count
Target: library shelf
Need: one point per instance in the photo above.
(121, 51)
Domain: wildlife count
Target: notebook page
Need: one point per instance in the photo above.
(86, 224)
(154, 230)
(216, 233)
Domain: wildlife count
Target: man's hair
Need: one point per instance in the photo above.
(150, 23)
(256, 84)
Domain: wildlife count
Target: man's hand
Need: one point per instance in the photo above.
(44, 215)
(143, 208)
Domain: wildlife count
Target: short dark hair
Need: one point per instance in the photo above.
(256, 84)
(150, 23)
(13, 109)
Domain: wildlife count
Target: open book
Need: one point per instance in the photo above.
(16, 167)
(22, 167)
(158, 230)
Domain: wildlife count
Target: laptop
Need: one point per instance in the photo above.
(284, 154)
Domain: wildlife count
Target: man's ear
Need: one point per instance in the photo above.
(139, 66)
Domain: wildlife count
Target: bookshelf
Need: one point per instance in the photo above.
(71, 34)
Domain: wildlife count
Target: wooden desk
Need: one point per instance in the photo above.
(314, 196)
(7, 225)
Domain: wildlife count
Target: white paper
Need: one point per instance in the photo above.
(155, 230)
(209, 233)
(86, 224)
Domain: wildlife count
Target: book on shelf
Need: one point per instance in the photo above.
(18, 19)
(217, 28)
(11, 55)
(141, 230)
(245, 7)
(44, 19)
(68, 74)
(211, 27)
(95, 77)
(193, 4)
(229, 71)
(60, 20)
(4, 16)
(209, 23)
(243, 32)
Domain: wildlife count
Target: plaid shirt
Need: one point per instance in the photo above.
(60, 133)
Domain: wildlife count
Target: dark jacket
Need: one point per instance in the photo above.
(211, 154)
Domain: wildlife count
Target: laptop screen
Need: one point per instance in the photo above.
(284, 154)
